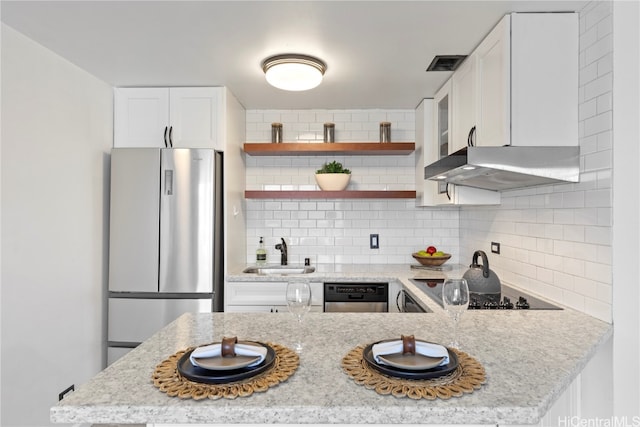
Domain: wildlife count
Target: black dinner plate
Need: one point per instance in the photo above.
(201, 375)
(436, 372)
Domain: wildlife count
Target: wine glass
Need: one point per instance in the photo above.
(299, 303)
(455, 296)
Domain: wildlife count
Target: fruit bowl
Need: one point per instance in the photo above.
(431, 261)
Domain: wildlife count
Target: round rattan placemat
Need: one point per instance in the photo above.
(168, 380)
(469, 376)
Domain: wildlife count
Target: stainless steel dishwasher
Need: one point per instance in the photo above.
(356, 297)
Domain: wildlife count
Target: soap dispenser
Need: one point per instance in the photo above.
(261, 253)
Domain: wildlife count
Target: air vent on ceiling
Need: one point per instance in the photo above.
(446, 62)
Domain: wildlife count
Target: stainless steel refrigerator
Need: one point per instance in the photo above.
(165, 240)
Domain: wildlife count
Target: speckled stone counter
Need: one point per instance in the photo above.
(530, 357)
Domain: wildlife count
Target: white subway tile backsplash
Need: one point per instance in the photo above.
(588, 109)
(598, 198)
(605, 140)
(600, 86)
(594, 12)
(597, 124)
(605, 65)
(598, 235)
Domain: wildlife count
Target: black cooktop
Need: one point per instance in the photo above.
(510, 298)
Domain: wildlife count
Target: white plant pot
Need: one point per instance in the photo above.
(333, 181)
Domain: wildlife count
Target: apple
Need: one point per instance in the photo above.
(431, 250)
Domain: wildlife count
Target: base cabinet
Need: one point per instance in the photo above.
(265, 297)
(266, 309)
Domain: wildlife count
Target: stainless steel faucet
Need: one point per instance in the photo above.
(282, 247)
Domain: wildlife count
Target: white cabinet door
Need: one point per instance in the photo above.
(544, 79)
(493, 91)
(256, 309)
(195, 117)
(463, 195)
(266, 309)
(265, 296)
(178, 117)
(432, 136)
(464, 99)
(141, 116)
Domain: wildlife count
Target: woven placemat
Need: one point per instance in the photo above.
(167, 378)
(468, 376)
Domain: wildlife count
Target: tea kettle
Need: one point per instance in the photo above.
(481, 280)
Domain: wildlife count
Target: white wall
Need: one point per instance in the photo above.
(334, 232)
(56, 136)
(626, 203)
(234, 183)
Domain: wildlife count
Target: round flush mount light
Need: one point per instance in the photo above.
(293, 72)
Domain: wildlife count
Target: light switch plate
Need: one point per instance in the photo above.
(495, 247)
(374, 242)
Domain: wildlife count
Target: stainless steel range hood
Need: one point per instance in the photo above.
(507, 167)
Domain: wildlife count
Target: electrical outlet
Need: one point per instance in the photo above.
(374, 242)
(495, 247)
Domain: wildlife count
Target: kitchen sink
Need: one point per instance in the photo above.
(279, 270)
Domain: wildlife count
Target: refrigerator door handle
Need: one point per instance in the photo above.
(168, 182)
(166, 145)
(171, 136)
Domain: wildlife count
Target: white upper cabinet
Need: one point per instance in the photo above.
(195, 117)
(141, 116)
(433, 123)
(464, 100)
(428, 143)
(187, 117)
(544, 79)
(520, 85)
(494, 76)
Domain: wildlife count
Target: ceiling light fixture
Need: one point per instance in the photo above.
(293, 72)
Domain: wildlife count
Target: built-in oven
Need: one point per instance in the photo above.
(356, 297)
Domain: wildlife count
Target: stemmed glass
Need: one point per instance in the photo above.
(455, 296)
(299, 303)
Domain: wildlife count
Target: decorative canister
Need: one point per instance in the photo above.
(276, 132)
(385, 132)
(329, 132)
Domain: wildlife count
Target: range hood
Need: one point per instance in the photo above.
(507, 167)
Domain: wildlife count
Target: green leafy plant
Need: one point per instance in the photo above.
(333, 167)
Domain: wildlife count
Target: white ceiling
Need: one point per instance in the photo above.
(376, 51)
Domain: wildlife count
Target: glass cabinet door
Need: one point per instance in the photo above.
(443, 118)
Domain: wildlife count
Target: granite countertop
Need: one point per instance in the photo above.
(526, 371)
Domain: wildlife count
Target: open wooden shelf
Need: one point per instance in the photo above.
(345, 148)
(347, 194)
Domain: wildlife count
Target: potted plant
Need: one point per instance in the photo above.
(333, 177)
